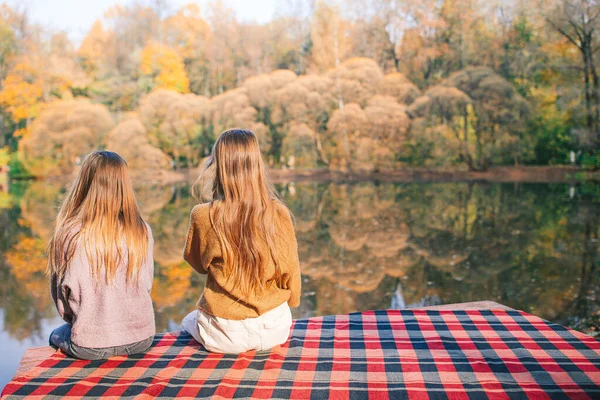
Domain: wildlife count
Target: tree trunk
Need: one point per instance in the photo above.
(319, 146)
(595, 92)
(588, 97)
(176, 158)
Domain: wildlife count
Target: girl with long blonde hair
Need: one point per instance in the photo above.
(101, 265)
(243, 239)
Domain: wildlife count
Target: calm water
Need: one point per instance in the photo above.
(362, 246)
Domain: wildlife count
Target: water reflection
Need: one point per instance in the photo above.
(362, 246)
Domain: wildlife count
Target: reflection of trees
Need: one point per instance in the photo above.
(451, 242)
(176, 286)
(170, 226)
(24, 288)
(165, 208)
(362, 246)
(39, 206)
(28, 297)
(174, 293)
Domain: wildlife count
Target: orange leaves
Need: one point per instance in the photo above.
(397, 85)
(21, 93)
(165, 66)
(188, 33)
(172, 286)
(28, 261)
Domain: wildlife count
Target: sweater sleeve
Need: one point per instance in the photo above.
(192, 252)
(150, 259)
(60, 301)
(295, 280)
(54, 288)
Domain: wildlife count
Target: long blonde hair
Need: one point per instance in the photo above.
(244, 206)
(100, 212)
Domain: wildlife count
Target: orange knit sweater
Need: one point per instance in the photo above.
(221, 297)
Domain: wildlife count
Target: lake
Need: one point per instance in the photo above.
(364, 245)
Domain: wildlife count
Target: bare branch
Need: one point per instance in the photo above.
(563, 32)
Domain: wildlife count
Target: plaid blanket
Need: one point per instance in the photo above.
(393, 354)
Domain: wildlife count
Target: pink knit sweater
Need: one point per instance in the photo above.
(104, 315)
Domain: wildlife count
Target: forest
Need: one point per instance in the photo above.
(348, 85)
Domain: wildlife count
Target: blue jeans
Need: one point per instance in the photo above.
(60, 338)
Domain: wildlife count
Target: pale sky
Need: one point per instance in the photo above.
(77, 16)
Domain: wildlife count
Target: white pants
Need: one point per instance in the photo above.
(221, 335)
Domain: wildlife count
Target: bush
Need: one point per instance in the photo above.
(17, 169)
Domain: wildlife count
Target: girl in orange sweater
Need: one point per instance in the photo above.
(243, 239)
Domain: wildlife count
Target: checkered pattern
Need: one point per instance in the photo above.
(392, 354)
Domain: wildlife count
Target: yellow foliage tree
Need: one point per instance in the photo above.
(165, 66)
(131, 140)
(328, 32)
(21, 94)
(93, 47)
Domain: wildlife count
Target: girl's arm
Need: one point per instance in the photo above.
(295, 280)
(60, 300)
(54, 288)
(192, 253)
(295, 283)
(150, 259)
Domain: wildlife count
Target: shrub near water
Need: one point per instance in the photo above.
(63, 133)
(350, 118)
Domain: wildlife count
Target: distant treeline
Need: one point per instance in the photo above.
(348, 85)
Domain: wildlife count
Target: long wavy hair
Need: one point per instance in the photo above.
(101, 214)
(243, 210)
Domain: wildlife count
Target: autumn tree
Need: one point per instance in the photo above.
(578, 22)
(367, 139)
(191, 37)
(345, 129)
(260, 90)
(64, 132)
(188, 124)
(180, 125)
(480, 114)
(234, 109)
(21, 93)
(225, 50)
(130, 139)
(92, 50)
(329, 37)
(440, 127)
(165, 67)
(130, 29)
(307, 101)
(298, 147)
(8, 38)
(398, 86)
(388, 126)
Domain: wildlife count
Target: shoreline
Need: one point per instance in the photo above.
(500, 174)
(524, 174)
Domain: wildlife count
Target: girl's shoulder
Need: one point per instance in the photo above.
(282, 212)
(149, 230)
(200, 212)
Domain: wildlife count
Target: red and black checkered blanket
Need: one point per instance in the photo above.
(377, 355)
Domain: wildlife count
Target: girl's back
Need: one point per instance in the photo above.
(224, 297)
(106, 314)
(244, 240)
(101, 265)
